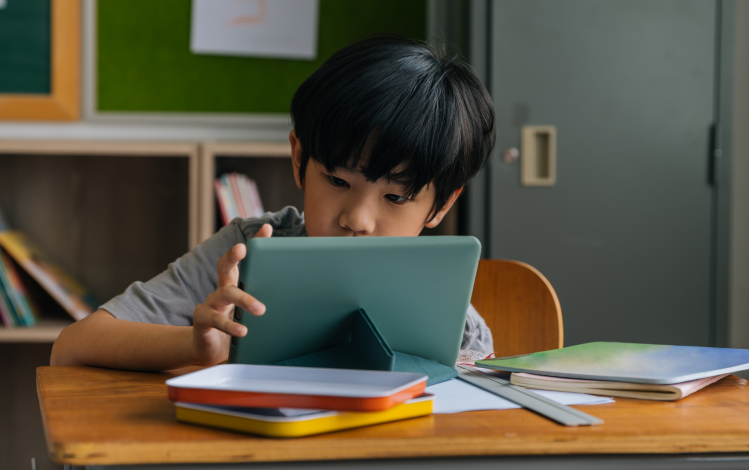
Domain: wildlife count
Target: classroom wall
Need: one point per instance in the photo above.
(739, 270)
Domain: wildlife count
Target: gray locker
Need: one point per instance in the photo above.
(624, 231)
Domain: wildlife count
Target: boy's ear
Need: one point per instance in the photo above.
(442, 212)
(296, 157)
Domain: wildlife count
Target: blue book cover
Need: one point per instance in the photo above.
(8, 297)
(627, 362)
(23, 304)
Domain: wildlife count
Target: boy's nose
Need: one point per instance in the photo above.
(358, 219)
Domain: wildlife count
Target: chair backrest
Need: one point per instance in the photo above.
(519, 306)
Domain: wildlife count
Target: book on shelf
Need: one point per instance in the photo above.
(237, 196)
(5, 316)
(8, 310)
(21, 309)
(17, 306)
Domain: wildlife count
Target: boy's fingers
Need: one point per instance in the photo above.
(212, 319)
(266, 231)
(228, 265)
(231, 295)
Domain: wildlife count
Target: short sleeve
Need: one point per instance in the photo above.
(171, 297)
(476, 336)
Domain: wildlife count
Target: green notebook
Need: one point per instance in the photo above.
(627, 362)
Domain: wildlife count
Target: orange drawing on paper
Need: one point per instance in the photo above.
(257, 18)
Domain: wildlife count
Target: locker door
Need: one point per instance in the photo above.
(624, 233)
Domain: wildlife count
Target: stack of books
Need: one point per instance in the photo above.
(52, 278)
(628, 370)
(660, 392)
(237, 196)
(23, 264)
(280, 401)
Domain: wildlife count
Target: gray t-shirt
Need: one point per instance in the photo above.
(171, 297)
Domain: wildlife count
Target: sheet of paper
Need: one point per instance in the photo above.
(456, 396)
(261, 28)
(467, 356)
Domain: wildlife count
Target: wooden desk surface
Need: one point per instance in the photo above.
(104, 417)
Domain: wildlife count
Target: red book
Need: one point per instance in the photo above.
(223, 204)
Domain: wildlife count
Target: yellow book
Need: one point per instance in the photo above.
(281, 422)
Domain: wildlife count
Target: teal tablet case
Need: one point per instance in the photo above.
(385, 303)
(368, 350)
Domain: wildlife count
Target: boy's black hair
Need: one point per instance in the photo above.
(425, 117)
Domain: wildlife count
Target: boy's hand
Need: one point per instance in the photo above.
(213, 324)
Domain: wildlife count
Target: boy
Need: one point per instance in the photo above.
(386, 134)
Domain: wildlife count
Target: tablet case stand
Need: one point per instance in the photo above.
(368, 350)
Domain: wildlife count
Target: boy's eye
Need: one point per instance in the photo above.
(337, 181)
(395, 198)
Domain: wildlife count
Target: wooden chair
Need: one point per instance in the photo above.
(519, 306)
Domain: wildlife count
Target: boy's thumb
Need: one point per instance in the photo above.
(266, 231)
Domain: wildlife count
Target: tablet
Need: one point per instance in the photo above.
(416, 291)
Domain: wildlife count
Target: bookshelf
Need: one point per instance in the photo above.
(108, 212)
(114, 212)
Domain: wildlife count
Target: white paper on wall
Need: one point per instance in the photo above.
(261, 28)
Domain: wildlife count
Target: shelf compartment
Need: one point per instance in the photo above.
(109, 213)
(269, 164)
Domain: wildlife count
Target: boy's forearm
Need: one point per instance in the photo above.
(104, 341)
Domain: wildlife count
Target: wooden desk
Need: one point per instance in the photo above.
(105, 417)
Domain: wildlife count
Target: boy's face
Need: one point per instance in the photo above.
(344, 203)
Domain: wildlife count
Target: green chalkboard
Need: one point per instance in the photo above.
(144, 61)
(25, 46)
